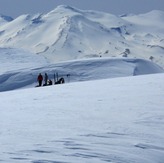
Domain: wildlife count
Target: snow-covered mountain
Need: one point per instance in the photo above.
(68, 33)
(4, 19)
(116, 119)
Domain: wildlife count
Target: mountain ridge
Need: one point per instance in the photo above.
(67, 33)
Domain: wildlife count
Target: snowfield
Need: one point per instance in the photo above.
(118, 120)
(111, 107)
(109, 110)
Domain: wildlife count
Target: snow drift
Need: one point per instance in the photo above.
(20, 69)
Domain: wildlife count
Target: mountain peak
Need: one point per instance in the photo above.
(64, 9)
(67, 7)
(156, 15)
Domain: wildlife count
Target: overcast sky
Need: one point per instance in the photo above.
(16, 8)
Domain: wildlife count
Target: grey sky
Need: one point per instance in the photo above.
(15, 8)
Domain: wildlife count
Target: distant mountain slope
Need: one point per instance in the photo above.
(17, 59)
(68, 33)
(4, 19)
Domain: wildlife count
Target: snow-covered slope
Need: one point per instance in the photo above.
(118, 120)
(12, 59)
(4, 19)
(68, 33)
(20, 69)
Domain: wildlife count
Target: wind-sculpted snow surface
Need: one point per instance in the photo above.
(116, 120)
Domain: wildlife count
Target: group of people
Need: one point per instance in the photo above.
(46, 80)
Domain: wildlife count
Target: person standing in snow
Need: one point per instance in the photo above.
(45, 79)
(40, 79)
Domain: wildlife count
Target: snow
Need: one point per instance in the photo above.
(20, 69)
(110, 120)
(110, 108)
(4, 19)
(18, 59)
(67, 33)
